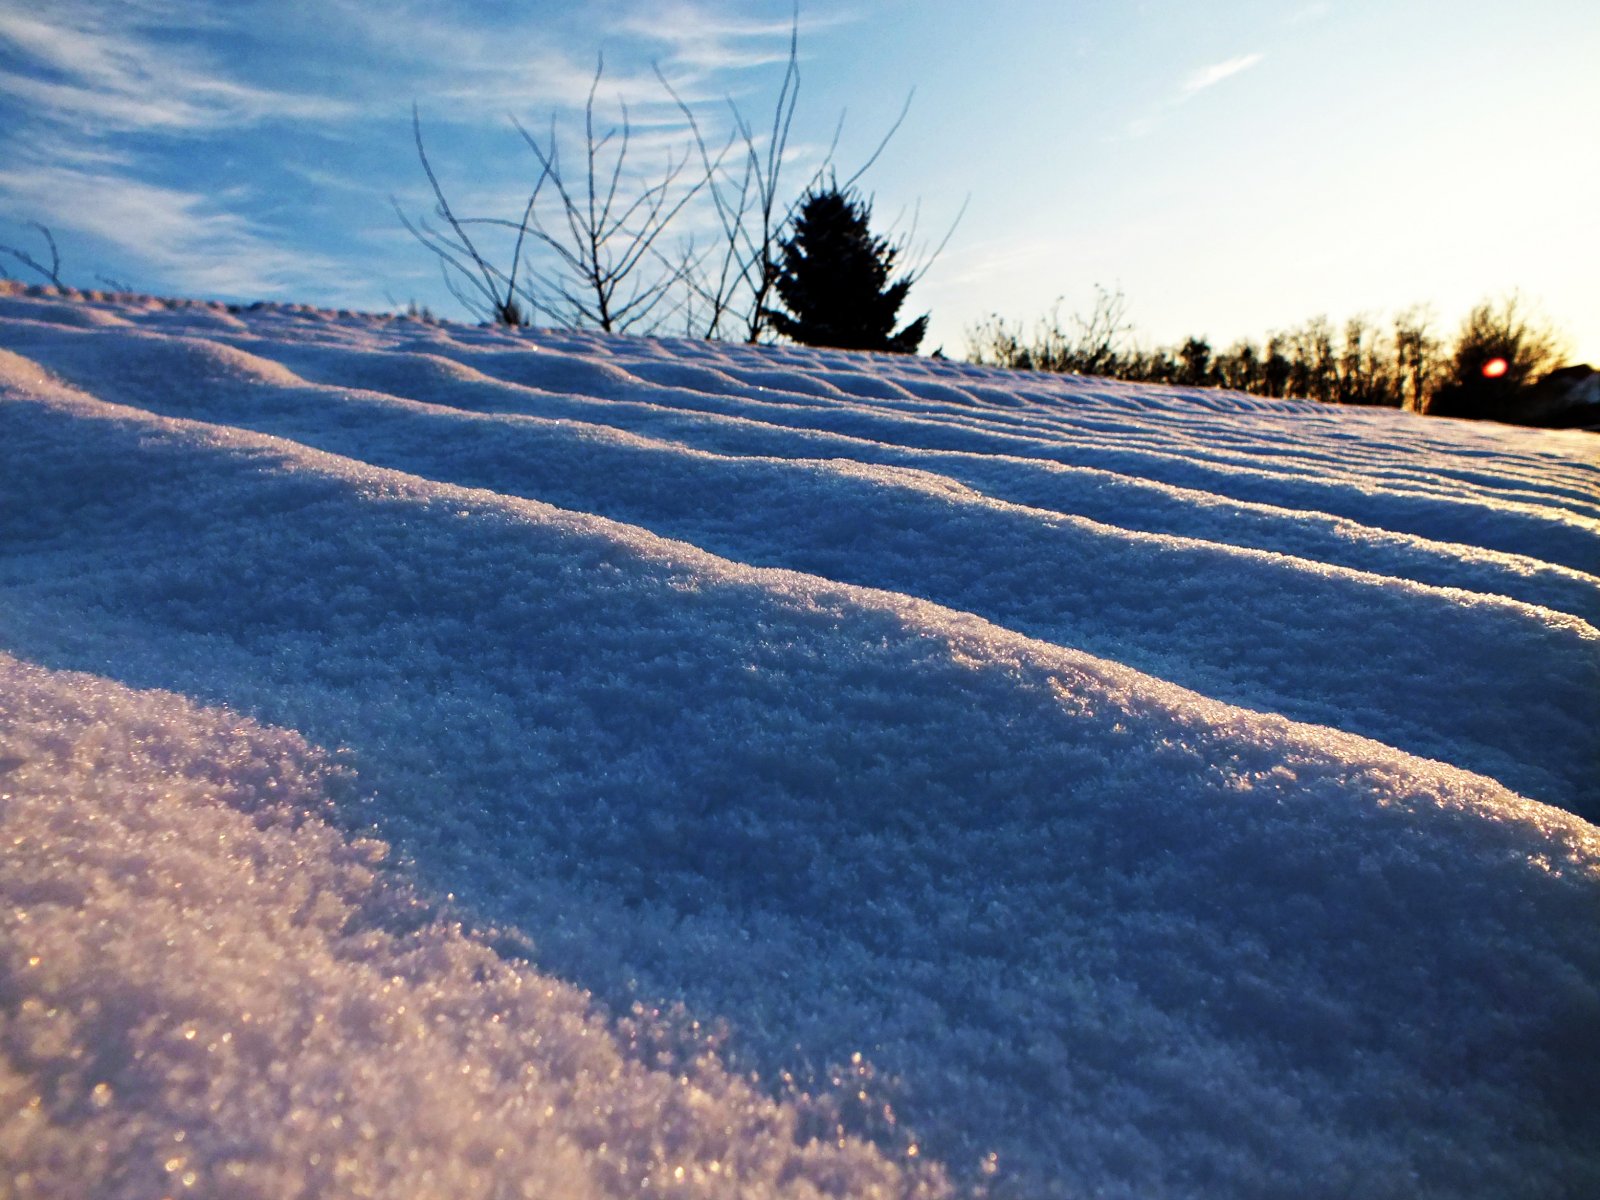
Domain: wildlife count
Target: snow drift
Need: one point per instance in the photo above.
(806, 774)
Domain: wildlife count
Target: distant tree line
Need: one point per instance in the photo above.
(1500, 357)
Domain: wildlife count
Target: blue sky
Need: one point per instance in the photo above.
(1231, 167)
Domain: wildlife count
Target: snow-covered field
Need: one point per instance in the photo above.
(454, 762)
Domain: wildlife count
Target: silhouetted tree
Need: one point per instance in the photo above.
(834, 279)
(1416, 353)
(1275, 370)
(1238, 367)
(1160, 365)
(1194, 357)
(1499, 353)
(1313, 369)
(1367, 373)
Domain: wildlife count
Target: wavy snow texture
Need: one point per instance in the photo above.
(1092, 788)
(207, 992)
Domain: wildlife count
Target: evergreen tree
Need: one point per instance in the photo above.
(834, 279)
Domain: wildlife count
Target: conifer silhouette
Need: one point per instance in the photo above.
(834, 279)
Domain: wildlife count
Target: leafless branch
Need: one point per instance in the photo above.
(494, 293)
(606, 232)
(53, 271)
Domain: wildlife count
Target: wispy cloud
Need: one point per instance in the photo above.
(103, 78)
(707, 40)
(186, 237)
(1198, 81)
(522, 66)
(1214, 74)
(97, 69)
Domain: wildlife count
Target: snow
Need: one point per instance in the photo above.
(496, 763)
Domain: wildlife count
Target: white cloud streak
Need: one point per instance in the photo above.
(1215, 73)
(709, 41)
(1198, 81)
(113, 80)
(98, 69)
(183, 235)
(469, 68)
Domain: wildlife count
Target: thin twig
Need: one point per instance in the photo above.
(53, 271)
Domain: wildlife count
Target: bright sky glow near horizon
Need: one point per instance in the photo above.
(1232, 168)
